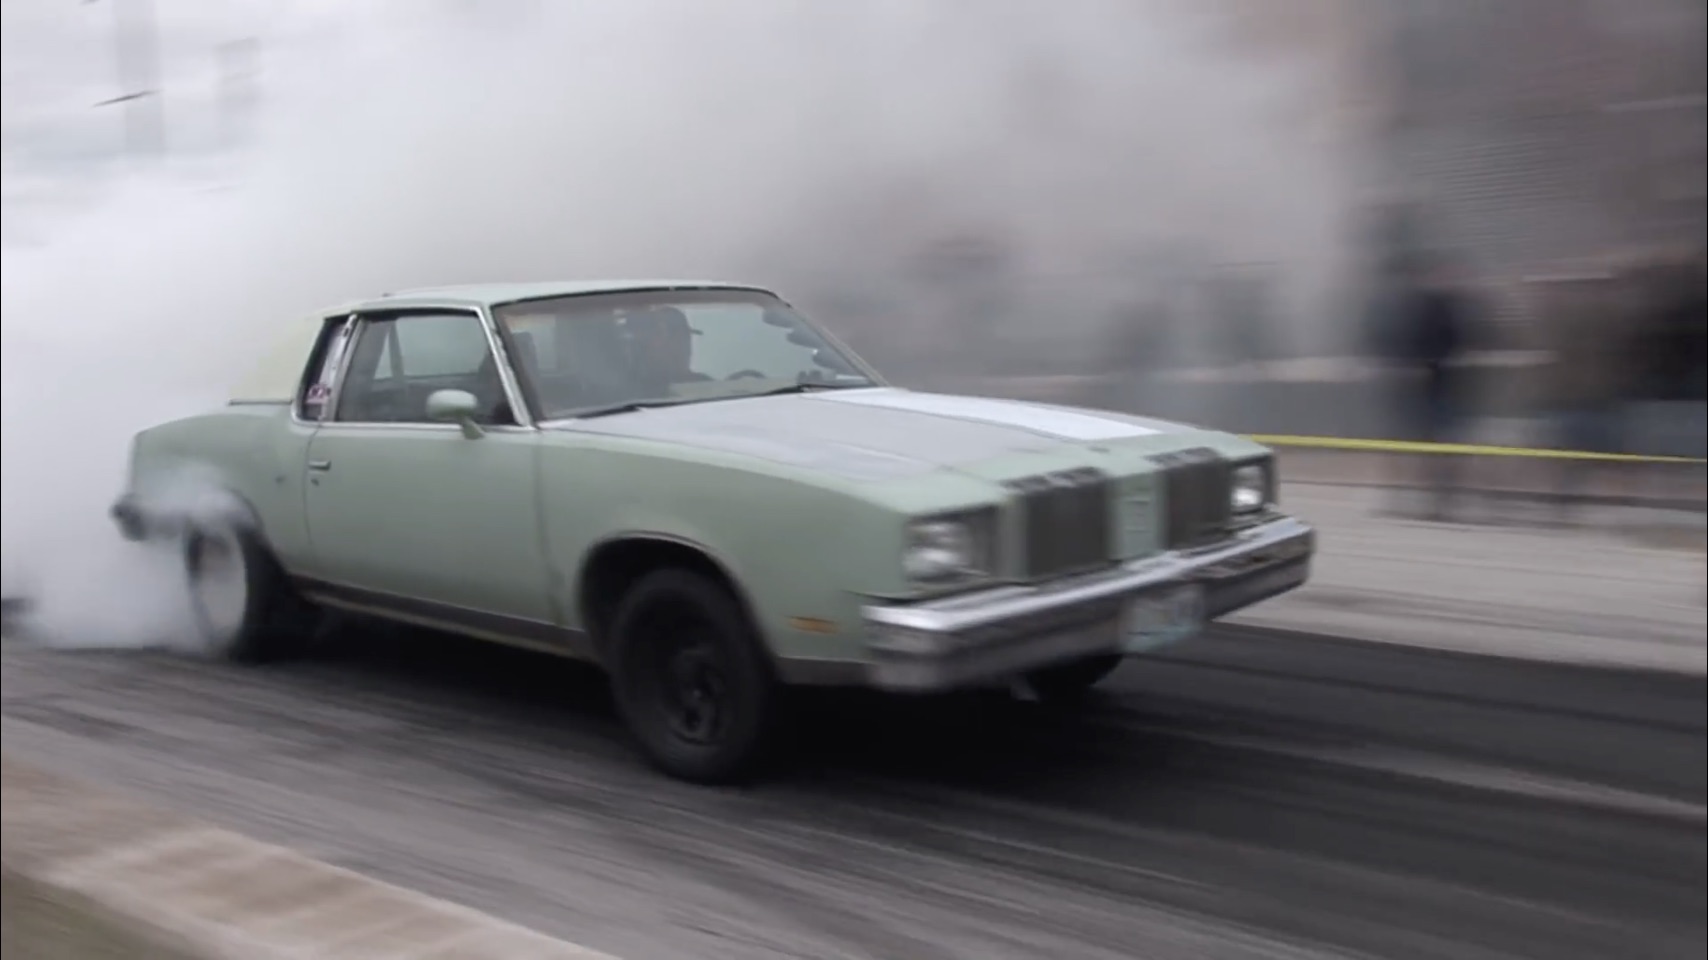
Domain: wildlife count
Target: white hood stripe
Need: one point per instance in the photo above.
(1058, 423)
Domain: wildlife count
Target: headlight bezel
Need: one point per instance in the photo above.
(1263, 488)
(977, 528)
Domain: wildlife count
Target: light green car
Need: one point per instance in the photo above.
(704, 492)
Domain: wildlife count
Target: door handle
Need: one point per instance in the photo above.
(320, 466)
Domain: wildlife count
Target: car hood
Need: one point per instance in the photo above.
(875, 434)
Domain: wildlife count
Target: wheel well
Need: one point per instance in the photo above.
(617, 565)
(142, 516)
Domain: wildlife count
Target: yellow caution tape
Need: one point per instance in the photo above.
(1461, 449)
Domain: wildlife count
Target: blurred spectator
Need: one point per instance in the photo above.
(1669, 406)
(1426, 323)
(1675, 322)
(1240, 299)
(1590, 322)
(969, 278)
(1139, 338)
(1394, 236)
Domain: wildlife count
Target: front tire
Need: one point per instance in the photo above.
(240, 601)
(1072, 682)
(691, 679)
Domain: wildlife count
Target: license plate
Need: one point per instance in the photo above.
(1165, 616)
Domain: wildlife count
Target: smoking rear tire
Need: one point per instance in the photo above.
(240, 600)
(691, 679)
(1070, 682)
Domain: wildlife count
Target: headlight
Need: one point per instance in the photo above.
(1249, 491)
(946, 549)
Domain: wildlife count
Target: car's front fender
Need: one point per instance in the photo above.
(800, 552)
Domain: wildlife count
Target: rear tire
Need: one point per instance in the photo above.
(240, 599)
(691, 678)
(1071, 682)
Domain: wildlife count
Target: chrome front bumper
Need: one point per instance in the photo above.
(138, 524)
(132, 523)
(1005, 631)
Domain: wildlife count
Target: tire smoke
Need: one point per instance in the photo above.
(420, 144)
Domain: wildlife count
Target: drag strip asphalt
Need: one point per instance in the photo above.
(1250, 794)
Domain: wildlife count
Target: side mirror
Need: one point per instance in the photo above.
(455, 406)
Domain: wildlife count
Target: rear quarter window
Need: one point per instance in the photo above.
(322, 368)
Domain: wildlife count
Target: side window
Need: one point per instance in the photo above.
(316, 389)
(441, 345)
(397, 362)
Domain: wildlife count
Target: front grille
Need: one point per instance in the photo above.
(1064, 520)
(1196, 488)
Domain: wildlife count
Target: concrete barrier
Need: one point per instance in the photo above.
(1597, 594)
(1664, 485)
(91, 876)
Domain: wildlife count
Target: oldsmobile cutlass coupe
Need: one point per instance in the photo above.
(702, 491)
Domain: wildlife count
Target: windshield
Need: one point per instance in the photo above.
(580, 354)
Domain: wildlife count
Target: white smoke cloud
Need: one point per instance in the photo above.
(416, 143)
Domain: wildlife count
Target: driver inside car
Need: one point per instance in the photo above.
(663, 345)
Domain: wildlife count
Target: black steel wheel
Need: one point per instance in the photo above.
(1070, 682)
(242, 603)
(691, 678)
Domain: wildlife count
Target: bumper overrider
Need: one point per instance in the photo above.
(1005, 631)
(139, 524)
(133, 523)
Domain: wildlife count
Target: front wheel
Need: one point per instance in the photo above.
(240, 601)
(1070, 682)
(691, 679)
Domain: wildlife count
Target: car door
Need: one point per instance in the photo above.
(413, 516)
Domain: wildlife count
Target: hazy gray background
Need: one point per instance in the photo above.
(378, 145)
